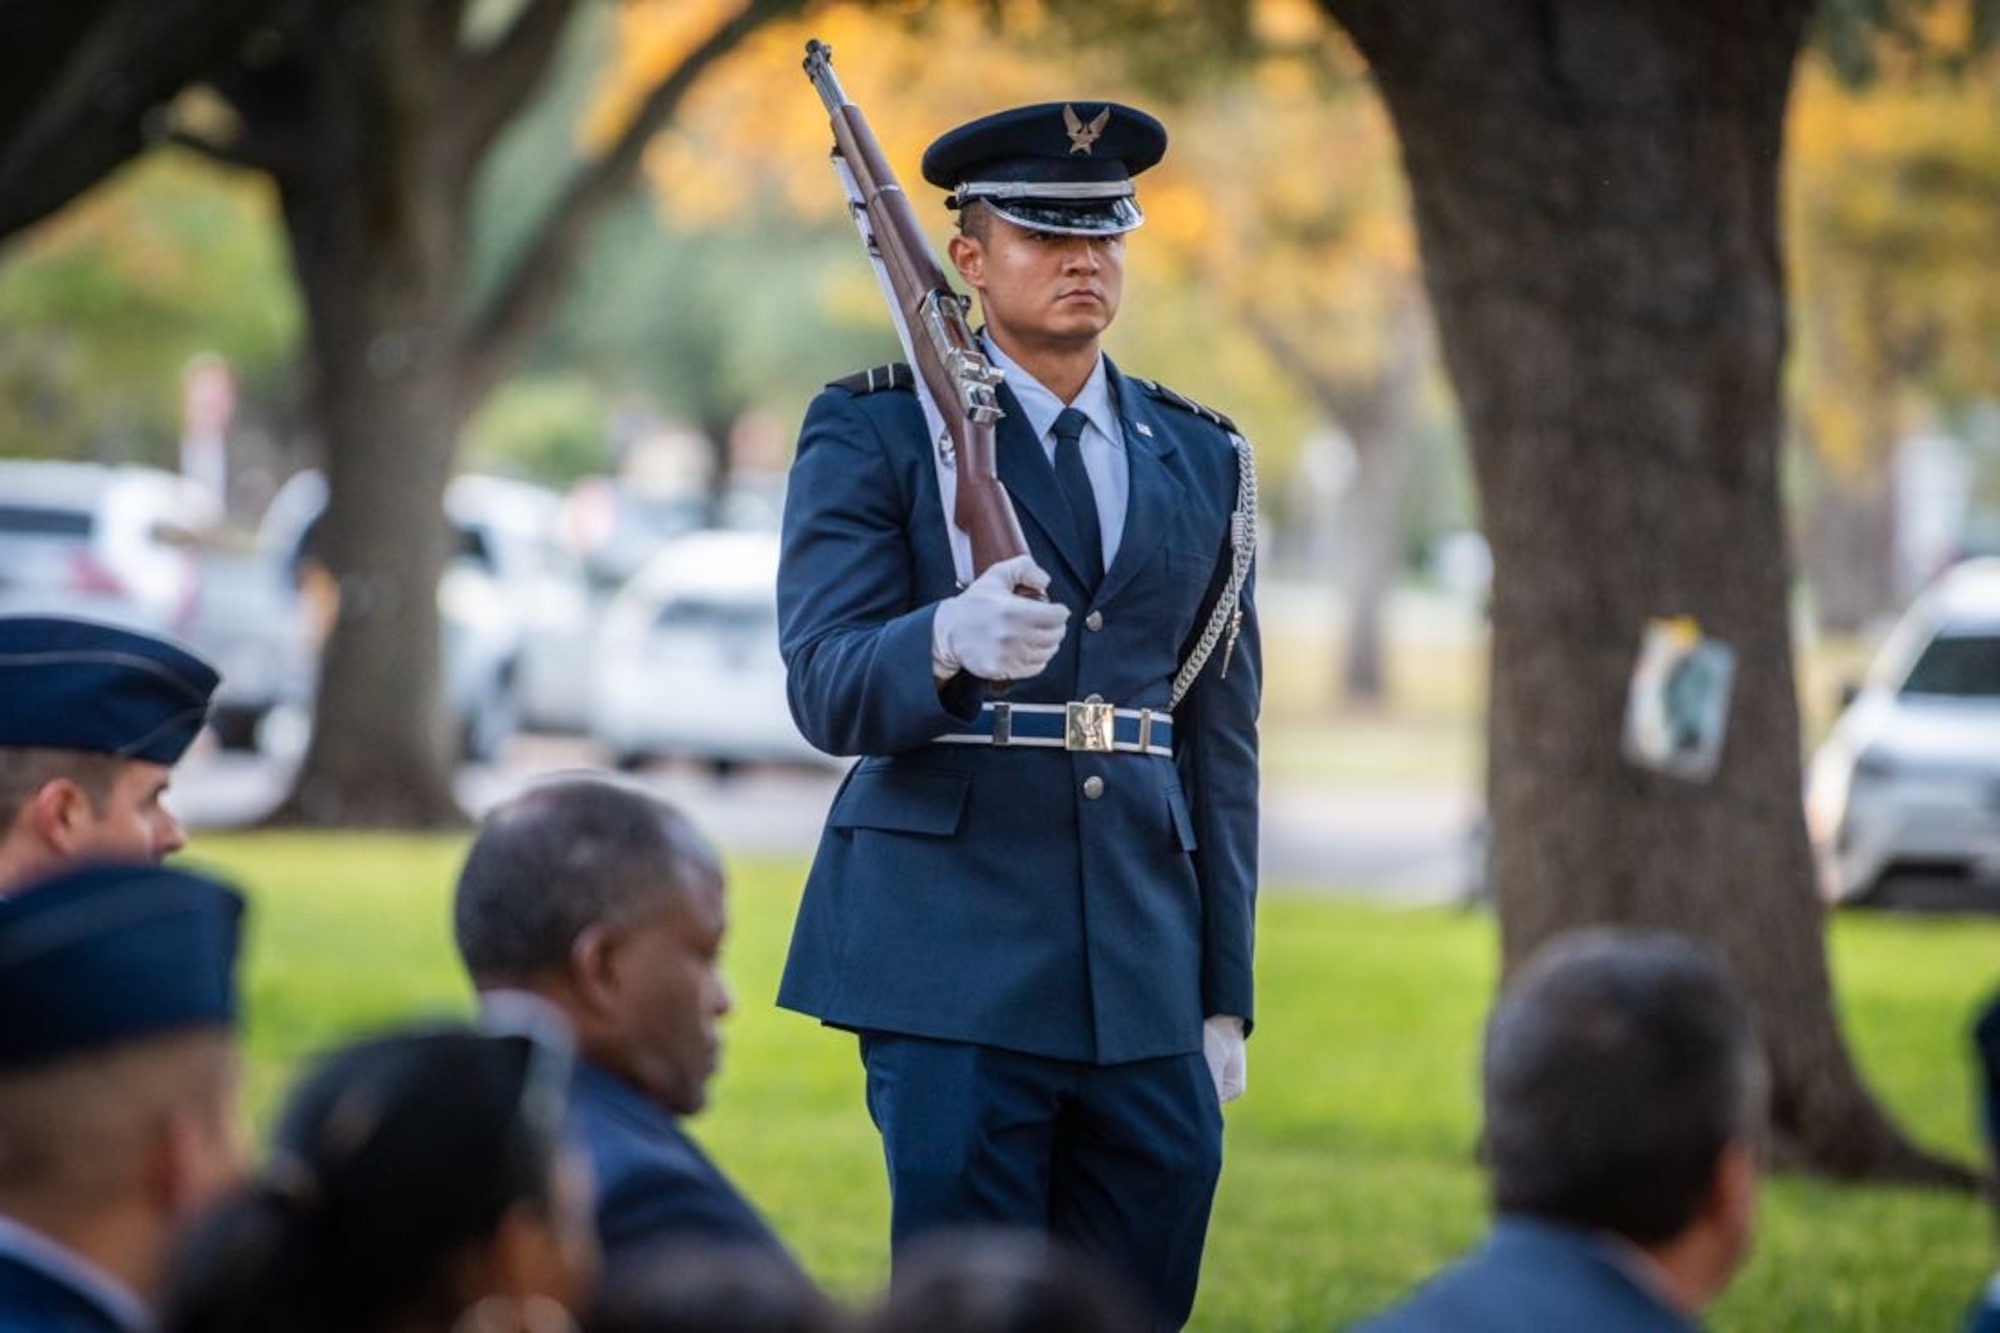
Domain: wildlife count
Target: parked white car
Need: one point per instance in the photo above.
(688, 665)
(1903, 799)
(112, 543)
(146, 548)
(492, 598)
(511, 538)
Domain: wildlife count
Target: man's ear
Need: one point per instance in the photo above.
(55, 815)
(1733, 1192)
(968, 256)
(187, 1167)
(593, 968)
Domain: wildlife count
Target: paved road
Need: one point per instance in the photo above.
(1409, 845)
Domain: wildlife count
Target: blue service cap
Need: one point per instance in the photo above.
(1059, 166)
(71, 684)
(97, 955)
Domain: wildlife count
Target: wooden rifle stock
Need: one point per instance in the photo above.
(953, 372)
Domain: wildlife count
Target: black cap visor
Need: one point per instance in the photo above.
(1068, 217)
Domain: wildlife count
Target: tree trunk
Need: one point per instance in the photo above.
(1595, 188)
(375, 220)
(1384, 426)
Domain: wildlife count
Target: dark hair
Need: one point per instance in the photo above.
(391, 1159)
(1619, 1064)
(561, 857)
(26, 769)
(1002, 1280)
(689, 1285)
(975, 219)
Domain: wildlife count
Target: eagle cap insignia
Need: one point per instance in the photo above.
(1081, 135)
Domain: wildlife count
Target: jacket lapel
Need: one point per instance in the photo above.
(1156, 494)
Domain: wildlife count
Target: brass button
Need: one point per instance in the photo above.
(1093, 787)
(1094, 621)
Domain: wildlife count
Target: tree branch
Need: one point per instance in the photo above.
(494, 81)
(239, 154)
(528, 294)
(1342, 398)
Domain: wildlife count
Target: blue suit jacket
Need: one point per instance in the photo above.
(975, 894)
(1534, 1277)
(653, 1181)
(34, 1300)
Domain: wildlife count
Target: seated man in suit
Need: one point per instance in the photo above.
(603, 901)
(92, 720)
(118, 1082)
(1625, 1102)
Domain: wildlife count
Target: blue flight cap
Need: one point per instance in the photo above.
(69, 684)
(1061, 166)
(98, 955)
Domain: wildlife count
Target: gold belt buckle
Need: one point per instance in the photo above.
(1088, 726)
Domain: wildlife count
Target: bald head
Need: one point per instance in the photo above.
(565, 856)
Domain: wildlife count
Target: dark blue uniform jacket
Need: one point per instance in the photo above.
(1533, 1277)
(653, 1182)
(978, 894)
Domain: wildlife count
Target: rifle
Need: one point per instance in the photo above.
(953, 372)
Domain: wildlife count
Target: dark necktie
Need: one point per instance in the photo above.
(1077, 490)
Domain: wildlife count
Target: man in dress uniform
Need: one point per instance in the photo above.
(1625, 1103)
(1033, 897)
(117, 1087)
(92, 720)
(603, 901)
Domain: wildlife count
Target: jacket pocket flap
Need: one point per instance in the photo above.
(901, 801)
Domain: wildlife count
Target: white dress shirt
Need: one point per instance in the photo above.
(1102, 445)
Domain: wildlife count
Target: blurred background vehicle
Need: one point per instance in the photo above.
(518, 618)
(143, 547)
(511, 540)
(115, 543)
(1903, 798)
(688, 664)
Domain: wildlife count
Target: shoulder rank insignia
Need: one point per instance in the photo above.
(1187, 404)
(895, 375)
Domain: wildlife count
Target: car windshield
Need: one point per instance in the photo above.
(1964, 666)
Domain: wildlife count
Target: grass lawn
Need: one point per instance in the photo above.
(1349, 1172)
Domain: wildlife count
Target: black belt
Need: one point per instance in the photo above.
(1092, 727)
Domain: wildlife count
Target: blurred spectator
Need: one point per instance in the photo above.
(1985, 1314)
(92, 720)
(117, 1087)
(694, 1286)
(1000, 1280)
(1625, 1099)
(418, 1183)
(605, 902)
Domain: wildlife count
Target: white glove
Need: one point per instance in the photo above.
(994, 632)
(1223, 1046)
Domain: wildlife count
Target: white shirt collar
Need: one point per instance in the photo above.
(1040, 406)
